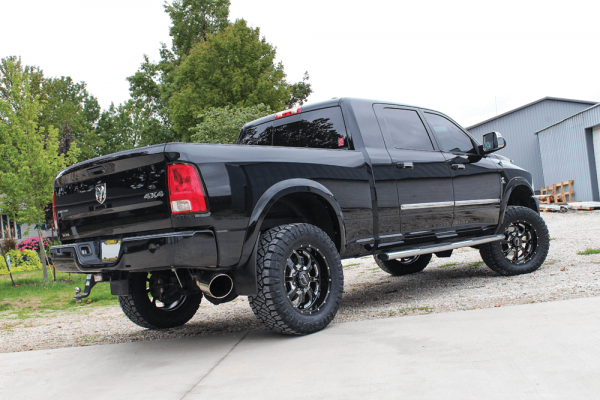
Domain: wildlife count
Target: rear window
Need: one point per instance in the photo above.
(322, 128)
(258, 135)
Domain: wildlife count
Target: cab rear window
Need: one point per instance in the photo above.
(322, 128)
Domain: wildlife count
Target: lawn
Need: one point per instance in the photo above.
(32, 297)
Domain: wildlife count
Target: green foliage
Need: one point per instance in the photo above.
(223, 125)
(19, 264)
(64, 105)
(29, 153)
(68, 106)
(211, 64)
(152, 85)
(193, 20)
(236, 68)
(588, 252)
(117, 128)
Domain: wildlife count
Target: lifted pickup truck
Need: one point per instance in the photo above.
(272, 217)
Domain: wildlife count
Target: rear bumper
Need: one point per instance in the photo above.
(193, 249)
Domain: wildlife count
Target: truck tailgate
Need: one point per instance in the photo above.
(116, 195)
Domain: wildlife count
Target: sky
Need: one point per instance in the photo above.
(469, 59)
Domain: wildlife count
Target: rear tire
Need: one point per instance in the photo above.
(300, 279)
(148, 312)
(404, 266)
(525, 246)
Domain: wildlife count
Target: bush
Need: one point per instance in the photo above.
(17, 260)
(33, 244)
(9, 244)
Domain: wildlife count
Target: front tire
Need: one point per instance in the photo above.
(525, 246)
(404, 266)
(300, 279)
(143, 305)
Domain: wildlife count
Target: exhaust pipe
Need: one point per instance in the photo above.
(215, 285)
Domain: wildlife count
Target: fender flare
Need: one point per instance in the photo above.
(245, 274)
(510, 186)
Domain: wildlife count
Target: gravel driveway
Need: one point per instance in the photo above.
(461, 282)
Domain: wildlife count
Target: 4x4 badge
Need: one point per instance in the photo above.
(101, 193)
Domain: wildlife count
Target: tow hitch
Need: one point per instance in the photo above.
(90, 281)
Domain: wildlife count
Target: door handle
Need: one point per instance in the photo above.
(405, 165)
(458, 166)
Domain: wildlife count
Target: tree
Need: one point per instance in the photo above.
(235, 68)
(118, 128)
(29, 153)
(193, 20)
(223, 125)
(152, 85)
(67, 105)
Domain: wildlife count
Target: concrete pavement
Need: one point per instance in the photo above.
(534, 351)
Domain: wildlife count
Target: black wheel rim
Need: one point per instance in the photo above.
(520, 243)
(307, 279)
(408, 260)
(168, 299)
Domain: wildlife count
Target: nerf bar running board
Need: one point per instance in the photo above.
(439, 247)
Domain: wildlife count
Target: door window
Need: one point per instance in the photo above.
(407, 129)
(450, 137)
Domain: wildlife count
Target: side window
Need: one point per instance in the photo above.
(257, 135)
(324, 129)
(450, 137)
(407, 129)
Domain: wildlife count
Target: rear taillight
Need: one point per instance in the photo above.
(185, 189)
(54, 211)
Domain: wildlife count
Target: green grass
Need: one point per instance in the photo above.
(32, 297)
(447, 265)
(476, 264)
(587, 252)
(552, 239)
(351, 265)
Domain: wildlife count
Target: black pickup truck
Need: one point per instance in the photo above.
(272, 217)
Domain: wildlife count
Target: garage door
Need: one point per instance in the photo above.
(596, 137)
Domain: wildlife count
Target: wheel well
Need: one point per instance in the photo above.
(304, 208)
(522, 196)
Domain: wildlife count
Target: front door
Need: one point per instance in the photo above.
(423, 178)
(476, 179)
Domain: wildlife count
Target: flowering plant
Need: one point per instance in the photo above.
(33, 244)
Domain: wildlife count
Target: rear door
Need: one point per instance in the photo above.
(476, 179)
(423, 178)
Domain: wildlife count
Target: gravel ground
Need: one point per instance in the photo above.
(461, 282)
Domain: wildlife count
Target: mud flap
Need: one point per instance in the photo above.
(244, 278)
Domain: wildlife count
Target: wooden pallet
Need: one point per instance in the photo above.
(586, 205)
(557, 194)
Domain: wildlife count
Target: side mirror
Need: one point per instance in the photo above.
(493, 141)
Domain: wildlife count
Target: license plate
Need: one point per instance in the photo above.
(109, 249)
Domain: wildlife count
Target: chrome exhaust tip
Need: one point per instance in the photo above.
(215, 285)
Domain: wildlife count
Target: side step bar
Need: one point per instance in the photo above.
(439, 247)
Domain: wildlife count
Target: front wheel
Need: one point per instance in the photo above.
(154, 301)
(300, 279)
(524, 247)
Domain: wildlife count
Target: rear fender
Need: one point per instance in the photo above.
(245, 274)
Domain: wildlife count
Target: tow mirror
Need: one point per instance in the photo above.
(493, 141)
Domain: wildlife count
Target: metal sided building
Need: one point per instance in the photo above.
(519, 126)
(570, 149)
